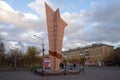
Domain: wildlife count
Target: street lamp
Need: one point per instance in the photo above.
(43, 50)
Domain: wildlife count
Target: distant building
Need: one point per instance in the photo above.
(72, 55)
(95, 54)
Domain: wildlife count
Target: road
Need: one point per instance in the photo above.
(91, 73)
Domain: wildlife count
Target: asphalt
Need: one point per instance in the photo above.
(91, 73)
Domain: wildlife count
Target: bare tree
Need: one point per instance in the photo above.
(14, 57)
(31, 55)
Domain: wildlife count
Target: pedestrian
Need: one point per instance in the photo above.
(74, 65)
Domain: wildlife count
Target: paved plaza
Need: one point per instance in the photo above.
(91, 73)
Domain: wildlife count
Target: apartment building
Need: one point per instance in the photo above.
(72, 55)
(95, 54)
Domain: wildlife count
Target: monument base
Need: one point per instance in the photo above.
(54, 63)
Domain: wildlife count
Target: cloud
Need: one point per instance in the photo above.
(107, 18)
(19, 26)
(98, 23)
(18, 22)
(39, 7)
(16, 18)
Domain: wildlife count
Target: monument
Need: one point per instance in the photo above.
(55, 27)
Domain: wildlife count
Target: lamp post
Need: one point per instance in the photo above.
(43, 50)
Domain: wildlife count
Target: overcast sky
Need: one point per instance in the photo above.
(88, 21)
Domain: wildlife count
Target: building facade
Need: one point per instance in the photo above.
(95, 54)
(72, 55)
